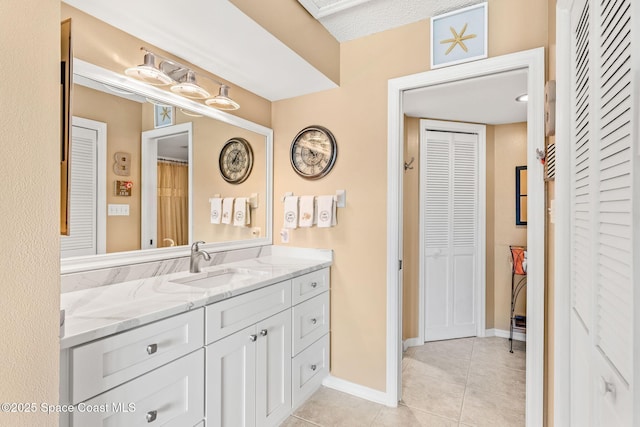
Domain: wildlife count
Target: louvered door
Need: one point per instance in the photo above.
(82, 195)
(450, 188)
(602, 367)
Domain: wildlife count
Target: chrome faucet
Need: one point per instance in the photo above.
(196, 253)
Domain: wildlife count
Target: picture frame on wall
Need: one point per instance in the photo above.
(459, 36)
(162, 115)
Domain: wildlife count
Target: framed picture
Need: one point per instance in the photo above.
(162, 116)
(521, 195)
(459, 36)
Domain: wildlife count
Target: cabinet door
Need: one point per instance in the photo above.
(231, 372)
(273, 370)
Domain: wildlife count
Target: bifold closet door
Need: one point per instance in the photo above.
(602, 234)
(450, 191)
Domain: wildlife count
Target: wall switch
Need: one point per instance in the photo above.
(284, 235)
(117, 210)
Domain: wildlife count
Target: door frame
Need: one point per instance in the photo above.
(534, 62)
(481, 225)
(149, 193)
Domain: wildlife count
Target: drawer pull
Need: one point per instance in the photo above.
(314, 284)
(314, 321)
(253, 338)
(152, 348)
(314, 367)
(607, 387)
(151, 416)
(264, 332)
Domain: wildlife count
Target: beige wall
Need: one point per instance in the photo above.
(30, 148)
(506, 148)
(99, 43)
(357, 114)
(124, 124)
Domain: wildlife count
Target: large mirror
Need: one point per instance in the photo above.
(145, 170)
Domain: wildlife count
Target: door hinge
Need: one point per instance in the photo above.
(399, 264)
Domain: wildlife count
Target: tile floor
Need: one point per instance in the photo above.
(456, 383)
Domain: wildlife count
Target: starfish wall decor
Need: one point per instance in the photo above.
(458, 39)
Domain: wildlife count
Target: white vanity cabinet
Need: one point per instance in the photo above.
(249, 375)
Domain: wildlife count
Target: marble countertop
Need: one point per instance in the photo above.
(101, 311)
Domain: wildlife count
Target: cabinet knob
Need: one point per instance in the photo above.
(313, 367)
(314, 284)
(152, 348)
(151, 416)
(607, 387)
(264, 332)
(314, 320)
(253, 338)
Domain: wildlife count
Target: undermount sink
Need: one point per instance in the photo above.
(215, 278)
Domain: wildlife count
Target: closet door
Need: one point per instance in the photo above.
(450, 188)
(602, 375)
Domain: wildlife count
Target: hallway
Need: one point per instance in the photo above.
(464, 382)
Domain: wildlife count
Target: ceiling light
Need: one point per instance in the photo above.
(148, 72)
(222, 100)
(523, 98)
(189, 87)
(190, 113)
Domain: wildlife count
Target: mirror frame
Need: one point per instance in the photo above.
(115, 259)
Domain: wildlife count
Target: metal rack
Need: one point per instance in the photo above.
(518, 283)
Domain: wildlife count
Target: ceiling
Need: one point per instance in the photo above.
(488, 99)
(352, 19)
(219, 38)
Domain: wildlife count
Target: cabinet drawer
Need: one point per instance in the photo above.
(309, 368)
(170, 396)
(231, 315)
(310, 285)
(103, 364)
(310, 321)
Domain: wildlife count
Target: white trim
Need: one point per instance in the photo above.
(149, 178)
(101, 178)
(321, 12)
(356, 390)
(99, 74)
(533, 61)
(412, 342)
(481, 226)
(501, 333)
(562, 239)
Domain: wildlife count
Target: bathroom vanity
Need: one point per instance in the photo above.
(239, 344)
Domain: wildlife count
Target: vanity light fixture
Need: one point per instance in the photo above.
(523, 98)
(183, 79)
(222, 100)
(148, 72)
(189, 87)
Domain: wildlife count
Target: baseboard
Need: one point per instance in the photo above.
(411, 342)
(518, 336)
(358, 390)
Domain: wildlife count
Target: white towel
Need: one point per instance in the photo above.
(326, 212)
(241, 212)
(227, 210)
(291, 212)
(216, 210)
(307, 211)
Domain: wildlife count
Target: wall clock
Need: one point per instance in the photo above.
(236, 160)
(313, 152)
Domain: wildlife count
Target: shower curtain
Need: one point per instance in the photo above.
(173, 198)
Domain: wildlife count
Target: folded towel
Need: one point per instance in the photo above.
(241, 212)
(227, 210)
(291, 212)
(326, 212)
(216, 210)
(307, 211)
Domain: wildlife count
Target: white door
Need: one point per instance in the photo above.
(82, 238)
(602, 231)
(273, 370)
(231, 379)
(449, 187)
